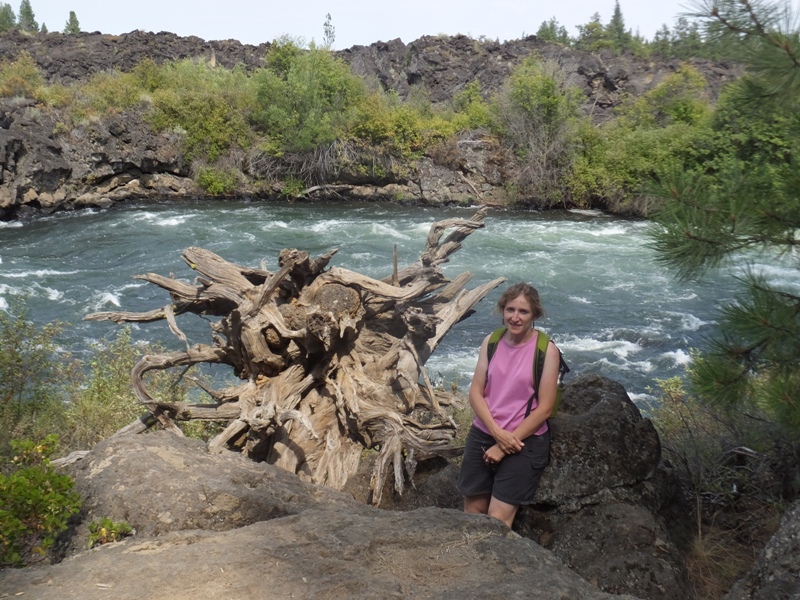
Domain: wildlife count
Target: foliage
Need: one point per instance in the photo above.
(21, 77)
(329, 33)
(28, 366)
(472, 111)
(551, 31)
(593, 36)
(537, 114)
(36, 503)
(217, 181)
(101, 399)
(619, 36)
(106, 531)
(711, 217)
(27, 19)
(666, 128)
(72, 26)
(43, 391)
(8, 19)
(209, 105)
(735, 470)
(304, 98)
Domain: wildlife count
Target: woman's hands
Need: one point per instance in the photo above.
(493, 455)
(507, 443)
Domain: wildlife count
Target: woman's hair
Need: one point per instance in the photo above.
(522, 289)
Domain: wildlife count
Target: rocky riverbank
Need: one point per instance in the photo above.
(48, 167)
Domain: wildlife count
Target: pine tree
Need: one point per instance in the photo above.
(27, 20)
(72, 26)
(616, 31)
(593, 36)
(750, 203)
(43, 28)
(551, 31)
(8, 19)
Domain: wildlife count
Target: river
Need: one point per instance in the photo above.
(612, 309)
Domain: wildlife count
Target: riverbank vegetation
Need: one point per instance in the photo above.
(305, 119)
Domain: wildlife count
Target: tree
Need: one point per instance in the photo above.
(748, 203)
(593, 36)
(8, 19)
(72, 26)
(551, 31)
(619, 36)
(687, 41)
(27, 20)
(329, 33)
(43, 28)
(537, 112)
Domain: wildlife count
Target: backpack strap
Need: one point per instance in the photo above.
(542, 340)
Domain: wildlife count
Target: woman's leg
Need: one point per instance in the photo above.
(502, 511)
(477, 504)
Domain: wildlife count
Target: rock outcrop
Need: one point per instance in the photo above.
(220, 525)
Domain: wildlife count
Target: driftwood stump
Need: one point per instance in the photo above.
(331, 361)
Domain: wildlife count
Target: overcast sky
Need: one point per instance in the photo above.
(355, 21)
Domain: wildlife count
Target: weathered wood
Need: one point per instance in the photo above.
(331, 361)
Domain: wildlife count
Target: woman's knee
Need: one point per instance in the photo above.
(477, 504)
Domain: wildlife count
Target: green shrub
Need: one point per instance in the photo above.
(536, 113)
(305, 98)
(36, 503)
(29, 366)
(21, 77)
(471, 110)
(106, 531)
(101, 399)
(217, 181)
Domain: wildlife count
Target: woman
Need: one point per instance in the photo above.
(506, 451)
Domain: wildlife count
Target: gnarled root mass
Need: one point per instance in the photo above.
(331, 361)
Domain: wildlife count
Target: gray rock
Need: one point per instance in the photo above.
(158, 483)
(222, 526)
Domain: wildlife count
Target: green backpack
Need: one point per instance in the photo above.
(542, 341)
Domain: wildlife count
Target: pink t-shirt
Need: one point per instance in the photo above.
(509, 385)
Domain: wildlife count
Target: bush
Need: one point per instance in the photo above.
(21, 77)
(29, 364)
(666, 128)
(106, 531)
(305, 98)
(537, 114)
(36, 503)
(217, 181)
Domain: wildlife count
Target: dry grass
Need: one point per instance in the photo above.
(716, 561)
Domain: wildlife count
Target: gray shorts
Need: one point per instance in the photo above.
(514, 480)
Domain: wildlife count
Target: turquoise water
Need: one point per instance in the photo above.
(611, 308)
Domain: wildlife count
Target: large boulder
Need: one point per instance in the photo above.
(158, 483)
(217, 525)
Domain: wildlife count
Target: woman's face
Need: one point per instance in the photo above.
(518, 315)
